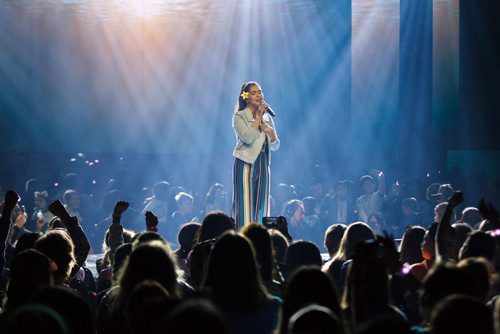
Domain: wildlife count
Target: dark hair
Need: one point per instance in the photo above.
(187, 234)
(280, 245)
(308, 285)
(151, 260)
(461, 314)
(67, 195)
(193, 317)
(29, 274)
(242, 103)
(290, 208)
(261, 241)
(478, 243)
(71, 306)
(214, 224)
(410, 248)
(302, 253)
(210, 197)
(315, 319)
(309, 203)
(333, 236)
(57, 245)
(232, 272)
(442, 281)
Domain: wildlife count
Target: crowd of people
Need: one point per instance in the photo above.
(341, 257)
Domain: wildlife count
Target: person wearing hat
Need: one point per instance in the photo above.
(370, 201)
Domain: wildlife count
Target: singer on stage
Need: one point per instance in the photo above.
(255, 138)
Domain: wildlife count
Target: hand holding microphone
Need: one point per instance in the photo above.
(267, 108)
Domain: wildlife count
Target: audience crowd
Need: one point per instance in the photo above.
(340, 257)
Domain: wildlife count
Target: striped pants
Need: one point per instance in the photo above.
(251, 190)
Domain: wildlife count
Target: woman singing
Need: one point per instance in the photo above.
(255, 136)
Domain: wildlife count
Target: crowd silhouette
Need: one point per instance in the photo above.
(362, 257)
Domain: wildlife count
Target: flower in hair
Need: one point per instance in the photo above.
(244, 95)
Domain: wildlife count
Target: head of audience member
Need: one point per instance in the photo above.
(214, 224)
(121, 254)
(184, 203)
(280, 245)
(149, 301)
(41, 200)
(128, 236)
(71, 198)
(409, 206)
(333, 236)
(444, 191)
(194, 317)
(444, 280)
(161, 191)
(478, 244)
(431, 193)
(216, 194)
(232, 273)
(367, 185)
(146, 236)
(308, 285)
(261, 242)
(187, 235)
(315, 319)
(30, 273)
(294, 212)
(471, 216)
(354, 234)
(439, 210)
(480, 270)
(310, 205)
(26, 241)
(57, 246)
(461, 314)
(410, 247)
(301, 253)
(71, 306)
(34, 318)
(340, 190)
(197, 263)
(151, 260)
(462, 231)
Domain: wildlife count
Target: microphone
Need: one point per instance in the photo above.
(270, 111)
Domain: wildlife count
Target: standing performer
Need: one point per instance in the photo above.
(255, 136)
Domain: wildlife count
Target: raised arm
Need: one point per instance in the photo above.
(444, 226)
(75, 231)
(11, 198)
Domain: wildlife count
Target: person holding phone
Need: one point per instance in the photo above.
(255, 137)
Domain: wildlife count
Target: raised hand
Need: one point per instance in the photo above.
(11, 199)
(58, 209)
(40, 223)
(456, 198)
(151, 222)
(21, 219)
(120, 207)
